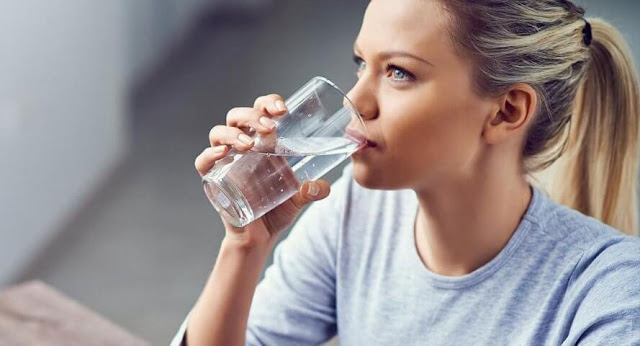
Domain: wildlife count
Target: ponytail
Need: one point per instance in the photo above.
(582, 145)
(598, 172)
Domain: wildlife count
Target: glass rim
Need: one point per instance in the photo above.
(351, 106)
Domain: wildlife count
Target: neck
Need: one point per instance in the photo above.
(462, 226)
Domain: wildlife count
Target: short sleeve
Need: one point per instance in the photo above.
(295, 303)
(179, 337)
(607, 295)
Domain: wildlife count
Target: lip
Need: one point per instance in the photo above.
(360, 137)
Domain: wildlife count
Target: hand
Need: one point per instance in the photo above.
(240, 122)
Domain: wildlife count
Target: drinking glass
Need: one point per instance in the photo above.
(320, 130)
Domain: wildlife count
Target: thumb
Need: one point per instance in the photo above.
(310, 191)
(286, 213)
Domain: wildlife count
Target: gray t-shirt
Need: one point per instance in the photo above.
(350, 267)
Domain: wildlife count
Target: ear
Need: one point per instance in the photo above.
(513, 112)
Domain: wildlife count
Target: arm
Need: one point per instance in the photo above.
(295, 303)
(220, 314)
(607, 295)
(219, 317)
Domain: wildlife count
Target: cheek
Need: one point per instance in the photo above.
(436, 133)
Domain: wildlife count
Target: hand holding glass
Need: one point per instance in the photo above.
(320, 130)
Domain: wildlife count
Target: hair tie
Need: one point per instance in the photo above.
(586, 33)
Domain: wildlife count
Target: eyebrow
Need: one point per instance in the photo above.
(388, 54)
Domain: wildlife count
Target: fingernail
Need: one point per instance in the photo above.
(280, 105)
(313, 189)
(219, 148)
(268, 123)
(245, 139)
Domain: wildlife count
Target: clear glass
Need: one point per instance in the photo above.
(320, 130)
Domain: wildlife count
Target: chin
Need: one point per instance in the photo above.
(368, 177)
(379, 176)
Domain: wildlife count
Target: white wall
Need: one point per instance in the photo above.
(156, 24)
(62, 119)
(65, 69)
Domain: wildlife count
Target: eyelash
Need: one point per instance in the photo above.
(410, 76)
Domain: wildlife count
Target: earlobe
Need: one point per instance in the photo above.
(513, 112)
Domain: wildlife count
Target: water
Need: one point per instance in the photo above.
(260, 180)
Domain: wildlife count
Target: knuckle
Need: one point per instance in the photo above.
(250, 115)
(266, 99)
(232, 113)
(234, 131)
(242, 117)
(198, 162)
(259, 100)
(300, 202)
(214, 130)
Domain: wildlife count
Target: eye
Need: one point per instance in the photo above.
(360, 64)
(400, 74)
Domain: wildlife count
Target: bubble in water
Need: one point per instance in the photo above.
(281, 190)
(279, 179)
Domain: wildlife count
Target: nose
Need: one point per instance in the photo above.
(363, 98)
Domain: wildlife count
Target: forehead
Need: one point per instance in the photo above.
(411, 25)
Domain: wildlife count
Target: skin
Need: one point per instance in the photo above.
(459, 151)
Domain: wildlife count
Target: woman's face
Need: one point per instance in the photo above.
(415, 96)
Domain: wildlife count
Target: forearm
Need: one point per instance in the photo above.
(220, 315)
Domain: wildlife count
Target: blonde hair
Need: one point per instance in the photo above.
(583, 144)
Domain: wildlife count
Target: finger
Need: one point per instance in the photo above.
(250, 117)
(208, 158)
(272, 104)
(227, 135)
(310, 191)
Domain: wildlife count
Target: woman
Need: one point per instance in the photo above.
(436, 234)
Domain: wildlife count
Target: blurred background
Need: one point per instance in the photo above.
(104, 106)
